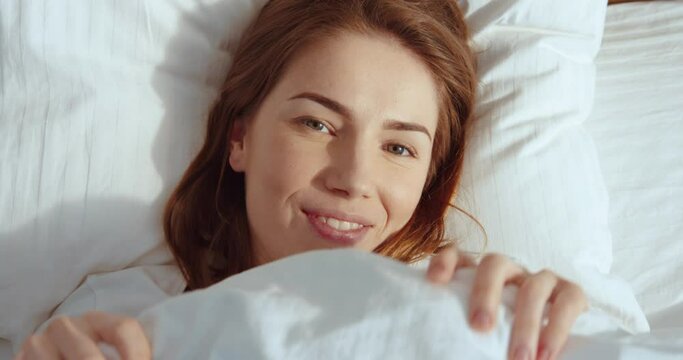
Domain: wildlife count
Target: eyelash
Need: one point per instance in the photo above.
(309, 121)
(411, 152)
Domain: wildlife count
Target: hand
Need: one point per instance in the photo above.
(77, 338)
(528, 340)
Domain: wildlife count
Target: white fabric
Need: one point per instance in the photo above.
(320, 305)
(532, 177)
(103, 106)
(638, 127)
(126, 292)
(349, 304)
(352, 292)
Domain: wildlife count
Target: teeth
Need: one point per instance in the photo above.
(340, 225)
(334, 223)
(345, 225)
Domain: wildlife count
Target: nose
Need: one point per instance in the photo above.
(350, 173)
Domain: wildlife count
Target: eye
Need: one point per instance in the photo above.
(400, 150)
(316, 125)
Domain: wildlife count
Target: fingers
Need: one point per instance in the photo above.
(492, 274)
(529, 305)
(38, 347)
(529, 338)
(569, 303)
(443, 265)
(124, 333)
(74, 338)
(77, 338)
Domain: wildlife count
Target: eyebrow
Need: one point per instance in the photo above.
(345, 112)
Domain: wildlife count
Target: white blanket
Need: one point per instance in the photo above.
(347, 304)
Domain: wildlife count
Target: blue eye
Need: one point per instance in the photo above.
(400, 150)
(316, 125)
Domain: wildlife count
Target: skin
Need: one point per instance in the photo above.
(298, 153)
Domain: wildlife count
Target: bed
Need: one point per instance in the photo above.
(89, 153)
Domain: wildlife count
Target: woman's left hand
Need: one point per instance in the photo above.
(529, 338)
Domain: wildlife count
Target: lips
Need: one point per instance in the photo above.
(340, 216)
(338, 228)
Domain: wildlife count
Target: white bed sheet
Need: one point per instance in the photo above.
(637, 125)
(659, 345)
(664, 341)
(359, 305)
(398, 294)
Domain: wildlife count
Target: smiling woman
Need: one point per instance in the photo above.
(341, 123)
(346, 127)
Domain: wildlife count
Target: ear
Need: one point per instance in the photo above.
(238, 152)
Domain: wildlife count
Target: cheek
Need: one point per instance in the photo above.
(402, 195)
(281, 166)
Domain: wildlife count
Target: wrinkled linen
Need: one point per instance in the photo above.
(343, 304)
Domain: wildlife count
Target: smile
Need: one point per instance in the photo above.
(345, 232)
(339, 224)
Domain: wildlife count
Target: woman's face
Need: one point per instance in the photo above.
(338, 152)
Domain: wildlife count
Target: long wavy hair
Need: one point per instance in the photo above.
(205, 219)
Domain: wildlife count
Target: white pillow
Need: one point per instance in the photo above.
(104, 106)
(638, 127)
(531, 176)
(103, 109)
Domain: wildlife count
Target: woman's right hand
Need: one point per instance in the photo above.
(78, 338)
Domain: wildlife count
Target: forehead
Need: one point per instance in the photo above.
(374, 75)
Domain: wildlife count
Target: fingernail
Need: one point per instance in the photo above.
(522, 353)
(544, 353)
(481, 319)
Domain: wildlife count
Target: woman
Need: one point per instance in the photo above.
(340, 123)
